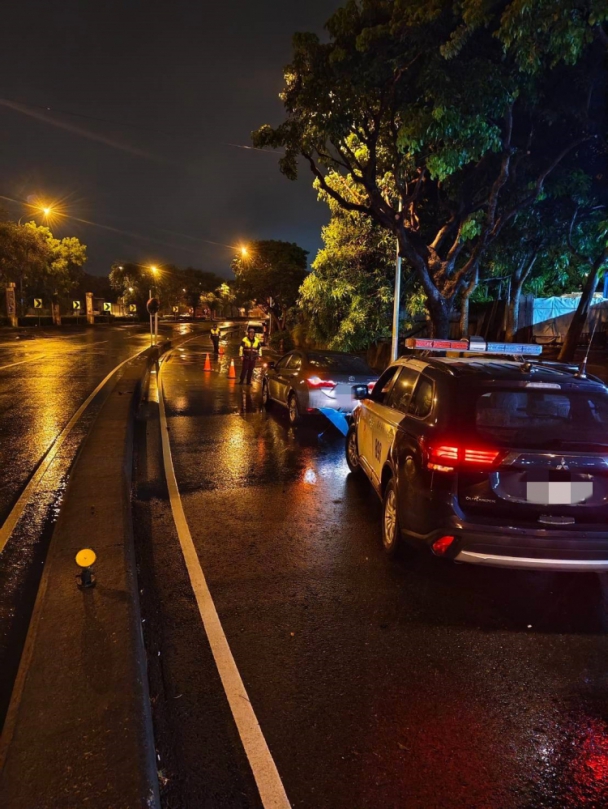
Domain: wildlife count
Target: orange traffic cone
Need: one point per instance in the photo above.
(221, 351)
(207, 363)
(232, 370)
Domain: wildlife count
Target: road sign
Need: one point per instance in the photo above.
(132, 308)
(107, 307)
(76, 305)
(37, 303)
(175, 309)
(153, 305)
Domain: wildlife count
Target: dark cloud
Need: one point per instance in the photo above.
(149, 102)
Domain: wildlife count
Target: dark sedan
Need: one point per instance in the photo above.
(307, 381)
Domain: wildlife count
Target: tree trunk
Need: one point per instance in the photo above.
(573, 335)
(439, 310)
(464, 304)
(513, 312)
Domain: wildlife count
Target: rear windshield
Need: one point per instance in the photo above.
(547, 418)
(335, 362)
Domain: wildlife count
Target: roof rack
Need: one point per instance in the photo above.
(475, 345)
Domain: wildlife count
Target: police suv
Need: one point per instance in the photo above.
(487, 459)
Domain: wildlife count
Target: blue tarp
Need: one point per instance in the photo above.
(339, 420)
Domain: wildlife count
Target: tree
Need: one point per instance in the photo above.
(38, 263)
(588, 243)
(271, 271)
(197, 285)
(433, 95)
(348, 295)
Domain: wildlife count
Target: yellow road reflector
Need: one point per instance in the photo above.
(86, 557)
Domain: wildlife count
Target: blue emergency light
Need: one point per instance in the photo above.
(475, 345)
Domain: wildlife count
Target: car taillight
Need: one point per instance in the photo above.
(316, 382)
(441, 546)
(446, 457)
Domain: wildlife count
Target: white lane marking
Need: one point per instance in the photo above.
(84, 350)
(12, 364)
(15, 515)
(271, 789)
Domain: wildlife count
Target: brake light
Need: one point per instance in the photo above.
(316, 382)
(440, 546)
(446, 457)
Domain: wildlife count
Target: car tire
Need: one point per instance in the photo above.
(293, 410)
(352, 452)
(391, 532)
(266, 400)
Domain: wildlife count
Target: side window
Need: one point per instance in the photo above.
(421, 402)
(383, 385)
(401, 392)
(295, 362)
(282, 363)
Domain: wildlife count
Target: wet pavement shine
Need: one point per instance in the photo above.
(376, 682)
(45, 375)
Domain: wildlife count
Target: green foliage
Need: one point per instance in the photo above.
(133, 282)
(274, 270)
(282, 338)
(459, 106)
(40, 264)
(348, 296)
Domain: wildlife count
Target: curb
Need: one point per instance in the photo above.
(79, 726)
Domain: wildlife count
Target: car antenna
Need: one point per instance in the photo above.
(582, 368)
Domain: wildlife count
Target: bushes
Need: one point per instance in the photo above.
(284, 337)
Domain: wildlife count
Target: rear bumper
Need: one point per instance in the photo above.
(529, 549)
(529, 563)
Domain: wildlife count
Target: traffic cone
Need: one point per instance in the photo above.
(221, 351)
(207, 363)
(232, 370)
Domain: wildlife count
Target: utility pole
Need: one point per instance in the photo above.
(396, 304)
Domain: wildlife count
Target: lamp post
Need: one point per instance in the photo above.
(396, 303)
(153, 317)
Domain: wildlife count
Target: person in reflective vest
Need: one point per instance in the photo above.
(250, 349)
(215, 338)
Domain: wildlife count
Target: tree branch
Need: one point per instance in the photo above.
(341, 200)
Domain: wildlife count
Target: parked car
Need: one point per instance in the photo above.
(488, 461)
(306, 381)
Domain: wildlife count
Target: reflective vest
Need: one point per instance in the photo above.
(250, 347)
(215, 331)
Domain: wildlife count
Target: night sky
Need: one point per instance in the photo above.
(175, 82)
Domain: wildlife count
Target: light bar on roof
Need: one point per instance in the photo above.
(475, 346)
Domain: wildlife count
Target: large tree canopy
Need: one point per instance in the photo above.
(451, 102)
(269, 273)
(348, 296)
(40, 264)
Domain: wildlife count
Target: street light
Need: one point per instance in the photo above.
(244, 252)
(45, 210)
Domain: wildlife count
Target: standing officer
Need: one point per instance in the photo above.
(250, 349)
(215, 338)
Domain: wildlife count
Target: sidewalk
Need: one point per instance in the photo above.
(78, 731)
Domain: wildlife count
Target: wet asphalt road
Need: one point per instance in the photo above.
(44, 377)
(377, 683)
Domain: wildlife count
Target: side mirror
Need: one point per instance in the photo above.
(360, 392)
(271, 365)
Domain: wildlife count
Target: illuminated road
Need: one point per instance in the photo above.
(44, 378)
(376, 683)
